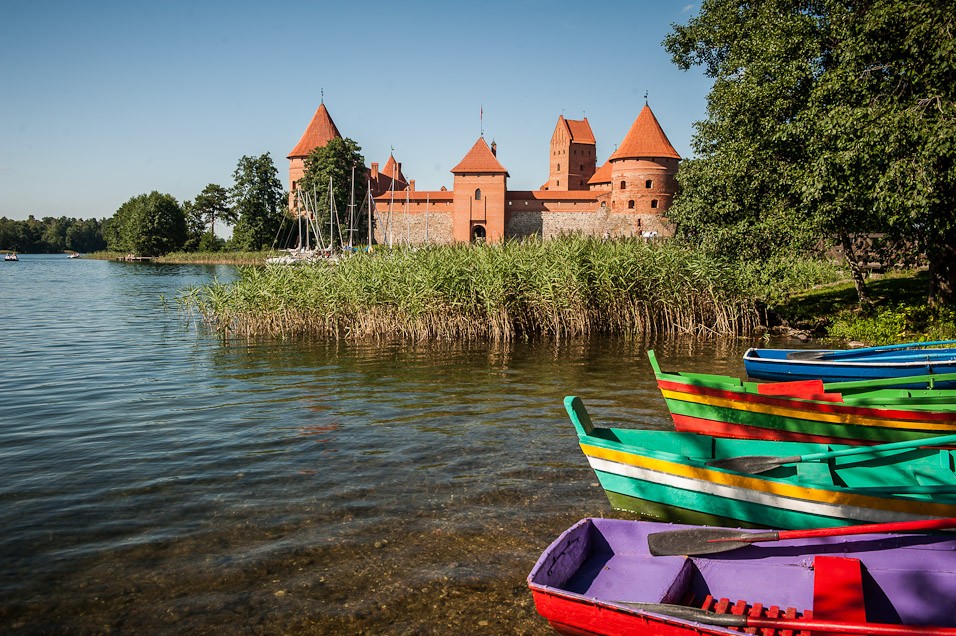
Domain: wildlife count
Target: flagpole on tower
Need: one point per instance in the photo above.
(481, 120)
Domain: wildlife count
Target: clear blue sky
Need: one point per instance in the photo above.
(101, 101)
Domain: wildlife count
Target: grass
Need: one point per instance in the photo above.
(900, 312)
(568, 287)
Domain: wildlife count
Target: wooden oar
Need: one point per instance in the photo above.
(705, 540)
(849, 353)
(755, 464)
(811, 625)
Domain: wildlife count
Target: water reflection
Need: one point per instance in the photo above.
(157, 479)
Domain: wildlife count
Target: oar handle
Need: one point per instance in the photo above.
(867, 350)
(879, 448)
(894, 526)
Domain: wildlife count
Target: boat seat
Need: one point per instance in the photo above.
(838, 589)
(802, 389)
(815, 473)
(936, 474)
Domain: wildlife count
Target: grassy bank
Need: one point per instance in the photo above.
(561, 288)
(900, 312)
(197, 258)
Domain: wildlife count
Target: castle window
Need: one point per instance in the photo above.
(648, 183)
(653, 203)
(478, 194)
(630, 204)
(559, 167)
(557, 184)
(582, 166)
(623, 185)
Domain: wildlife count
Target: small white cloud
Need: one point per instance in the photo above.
(687, 8)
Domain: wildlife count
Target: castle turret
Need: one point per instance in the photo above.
(481, 183)
(573, 155)
(320, 131)
(644, 168)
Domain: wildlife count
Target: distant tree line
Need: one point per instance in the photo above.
(255, 206)
(51, 235)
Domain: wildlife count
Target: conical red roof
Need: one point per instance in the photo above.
(480, 159)
(321, 130)
(646, 138)
(393, 169)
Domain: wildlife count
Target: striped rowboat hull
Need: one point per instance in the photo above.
(868, 412)
(663, 475)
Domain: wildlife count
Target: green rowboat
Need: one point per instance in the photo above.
(665, 475)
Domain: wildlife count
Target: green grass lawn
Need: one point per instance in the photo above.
(899, 313)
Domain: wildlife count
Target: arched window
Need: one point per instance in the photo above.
(478, 194)
(559, 167)
(653, 203)
(630, 204)
(478, 234)
(648, 183)
(623, 185)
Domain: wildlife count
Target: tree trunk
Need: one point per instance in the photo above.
(942, 271)
(856, 270)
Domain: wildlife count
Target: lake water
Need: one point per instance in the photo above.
(155, 479)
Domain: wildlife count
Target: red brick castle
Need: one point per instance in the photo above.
(624, 197)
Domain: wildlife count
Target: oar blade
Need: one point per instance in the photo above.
(753, 464)
(695, 541)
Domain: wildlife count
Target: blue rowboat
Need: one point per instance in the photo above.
(830, 365)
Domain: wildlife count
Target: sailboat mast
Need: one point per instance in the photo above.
(369, 191)
(351, 227)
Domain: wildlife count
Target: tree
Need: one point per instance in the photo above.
(85, 236)
(258, 201)
(341, 164)
(210, 204)
(827, 118)
(147, 225)
(740, 195)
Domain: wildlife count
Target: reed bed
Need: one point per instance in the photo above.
(573, 286)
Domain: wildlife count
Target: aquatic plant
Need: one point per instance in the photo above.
(571, 286)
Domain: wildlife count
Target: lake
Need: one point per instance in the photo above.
(155, 478)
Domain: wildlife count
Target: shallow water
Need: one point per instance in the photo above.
(154, 479)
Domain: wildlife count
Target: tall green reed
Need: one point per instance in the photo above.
(567, 287)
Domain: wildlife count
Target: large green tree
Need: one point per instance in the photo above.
(258, 201)
(338, 164)
(147, 225)
(827, 118)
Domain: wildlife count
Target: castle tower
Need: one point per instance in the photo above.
(320, 131)
(480, 185)
(573, 155)
(644, 169)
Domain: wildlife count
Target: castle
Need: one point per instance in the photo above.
(624, 197)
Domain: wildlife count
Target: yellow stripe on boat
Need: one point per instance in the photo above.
(804, 414)
(897, 508)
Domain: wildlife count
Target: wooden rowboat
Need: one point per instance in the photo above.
(599, 577)
(900, 361)
(690, 478)
(866, 411)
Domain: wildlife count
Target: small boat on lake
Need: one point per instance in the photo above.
(12, 256)
(899, 361)
(689, 478)
(599, 577)
(864, 411)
